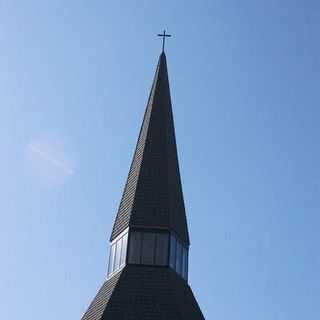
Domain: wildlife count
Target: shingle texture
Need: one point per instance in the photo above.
(99, 303)
(153, 193)
(144, 293)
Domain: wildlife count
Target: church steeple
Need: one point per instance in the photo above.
(147, 274)
(153, 195)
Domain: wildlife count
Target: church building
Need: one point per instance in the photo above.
(147, 277)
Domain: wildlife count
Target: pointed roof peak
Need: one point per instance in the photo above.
(153, 193)
(163, 55)
(163, 62)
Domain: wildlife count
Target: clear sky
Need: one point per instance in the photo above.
(74, 82)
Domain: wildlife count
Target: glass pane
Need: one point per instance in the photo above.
(162, 242)
(187, 265)
(124, 249)
(184, 262)
(172, 252)
(117, 255)
(148, 246)
(111, 259)
(135, 247)
(179, 257)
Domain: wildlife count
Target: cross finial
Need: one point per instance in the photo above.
(163, 35)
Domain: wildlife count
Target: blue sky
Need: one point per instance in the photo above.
(74, 82)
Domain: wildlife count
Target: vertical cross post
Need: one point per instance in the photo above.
(163, 35)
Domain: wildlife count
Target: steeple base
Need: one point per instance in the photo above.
(144, 293)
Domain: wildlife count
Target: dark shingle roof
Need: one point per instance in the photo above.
(101, 300)
(143, 293)
(153, 193)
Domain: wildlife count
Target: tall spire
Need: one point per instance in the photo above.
(153, 196)
(148, 264)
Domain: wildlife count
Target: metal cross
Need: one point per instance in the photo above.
(163, 35)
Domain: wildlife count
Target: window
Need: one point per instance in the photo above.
(162, 243)
(178, 257)
(187, 265)
(135, 247)
(148, 248)
(118, 251)
(117, 255)
(111, 258)
(184, 263)
(124, 249)
(173, 244)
